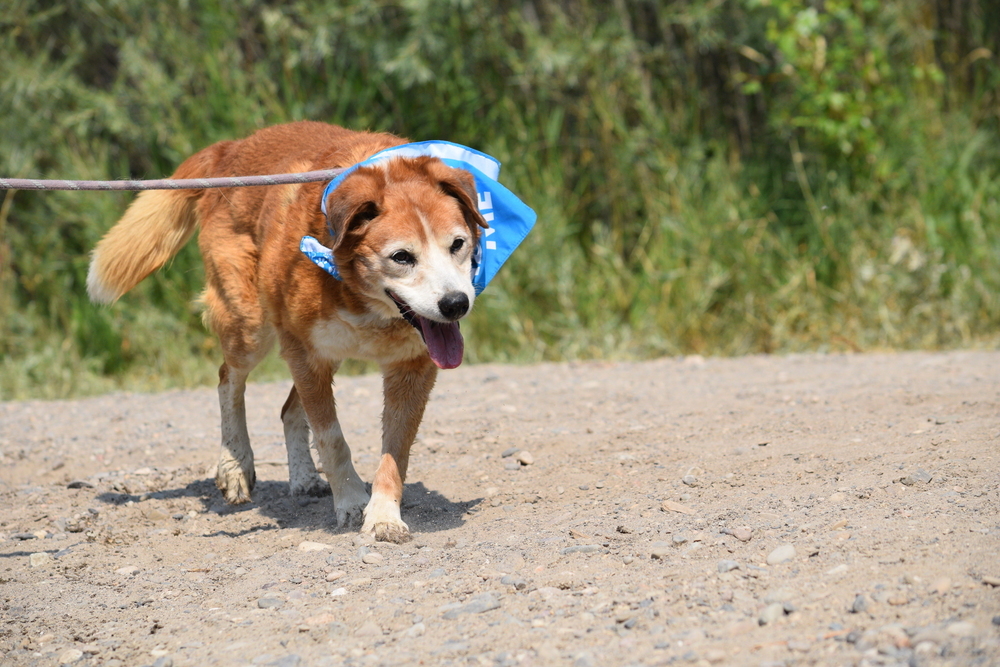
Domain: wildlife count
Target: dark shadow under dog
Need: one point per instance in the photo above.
(424, 510)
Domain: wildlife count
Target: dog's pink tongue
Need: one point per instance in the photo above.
(444, 342)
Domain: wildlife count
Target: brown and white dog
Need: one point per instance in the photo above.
(402, 234)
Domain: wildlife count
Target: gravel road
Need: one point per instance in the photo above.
(799, 510)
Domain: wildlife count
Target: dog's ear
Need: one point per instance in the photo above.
(353, 204)
(460, 184)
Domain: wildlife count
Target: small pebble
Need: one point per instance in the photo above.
(511, 465)
(517, 582)
(690, 480)
(678, 539)
(312, 546)
(992, 581)
(270, 603)
(742, 534)
(859, 605)
(336, 574)
(727, 565)
(919, 476)
(674, 506)
(40, 559)
(581, 549)
(961, 629)
(785, 552)
(127, 571)
(338, 591)
(659, 550)
(771, 613)
(716, 655)
(372, 558)
(525, 458)
(477, 605)
(941, 585)
(70, 655)
(507, 453)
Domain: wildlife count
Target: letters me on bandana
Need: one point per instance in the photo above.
(508, 217)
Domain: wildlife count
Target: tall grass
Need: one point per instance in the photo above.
(719, 178)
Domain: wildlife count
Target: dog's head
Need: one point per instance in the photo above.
(403, 233)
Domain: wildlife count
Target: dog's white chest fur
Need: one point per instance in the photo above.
(372, 338)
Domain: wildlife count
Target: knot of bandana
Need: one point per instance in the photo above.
(509, 218)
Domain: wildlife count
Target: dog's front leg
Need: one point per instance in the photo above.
(302, 476)
(406, 387)
(314, 386)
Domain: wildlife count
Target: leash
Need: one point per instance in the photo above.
(171, 183)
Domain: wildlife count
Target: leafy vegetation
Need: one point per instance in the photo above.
(710, 177)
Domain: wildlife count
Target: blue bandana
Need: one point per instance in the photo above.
(508, 217)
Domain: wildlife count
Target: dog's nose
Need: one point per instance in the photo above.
(453, 305)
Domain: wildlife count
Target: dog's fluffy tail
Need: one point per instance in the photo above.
(154, 228)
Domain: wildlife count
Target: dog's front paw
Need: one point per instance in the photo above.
(235, 482)
(382, 521)
(390, 532)
(309, 485)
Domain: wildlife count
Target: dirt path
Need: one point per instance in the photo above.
(647, 528)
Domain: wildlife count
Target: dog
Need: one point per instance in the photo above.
(402, 234)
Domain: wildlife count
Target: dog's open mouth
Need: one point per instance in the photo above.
(443, 339)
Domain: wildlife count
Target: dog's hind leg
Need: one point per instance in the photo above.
(235, 475)
(406, 388)
(303, 479)
(245, 340)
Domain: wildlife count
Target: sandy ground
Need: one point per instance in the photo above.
(800, 510)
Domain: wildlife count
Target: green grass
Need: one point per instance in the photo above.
(712, 178)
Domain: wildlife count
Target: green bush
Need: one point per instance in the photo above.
(719, 178)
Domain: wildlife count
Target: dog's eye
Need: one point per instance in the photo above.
(457, 245)
(403, 257)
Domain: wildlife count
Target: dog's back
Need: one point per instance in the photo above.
(158, 223)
